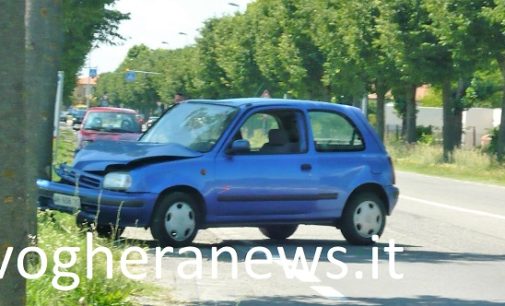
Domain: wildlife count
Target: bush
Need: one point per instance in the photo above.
(424, 134)
(492, 149)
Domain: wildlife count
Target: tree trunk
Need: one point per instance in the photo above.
(448, 121)
(410, 95)
(381, 91)
(501, 132)
(463, 84)
(401, 108)
(44, 42)
(458, 126)
(14, 206)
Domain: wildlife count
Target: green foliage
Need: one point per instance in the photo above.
(433, 98)
(56, 230)
(424, 134)
(85, 24)
(492, 148)
(486, 88)
(335, 51)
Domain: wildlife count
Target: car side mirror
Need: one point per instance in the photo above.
(76, 127)
(239, 146)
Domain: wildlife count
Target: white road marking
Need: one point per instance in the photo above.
(307, 277)
(451, 207)
(328, 292)
(452, 180)
(300, 274)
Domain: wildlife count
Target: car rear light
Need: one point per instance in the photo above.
(393, 178)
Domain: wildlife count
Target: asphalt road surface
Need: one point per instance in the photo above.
(453, 239)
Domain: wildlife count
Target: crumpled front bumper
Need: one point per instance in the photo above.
(111, 207)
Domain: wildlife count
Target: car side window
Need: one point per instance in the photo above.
(334, 132)
(273, 132)
(255, 129)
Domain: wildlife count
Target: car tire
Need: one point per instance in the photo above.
(176, 220)
(363, 217)
(278, 232)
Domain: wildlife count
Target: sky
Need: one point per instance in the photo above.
(159, 24)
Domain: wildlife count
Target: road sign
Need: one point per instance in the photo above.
(130, 76)
(92, 72)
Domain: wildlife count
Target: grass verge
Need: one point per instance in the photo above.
(470, 165)
(56, 230)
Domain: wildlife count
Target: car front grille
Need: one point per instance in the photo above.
(79, 178)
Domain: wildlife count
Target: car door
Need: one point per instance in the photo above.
(273, 180)
(340, 161)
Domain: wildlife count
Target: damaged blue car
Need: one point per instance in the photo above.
(266, 163)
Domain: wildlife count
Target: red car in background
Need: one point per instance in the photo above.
(108, 123)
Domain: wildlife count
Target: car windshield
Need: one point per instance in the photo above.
(116, 122)
(196, 126)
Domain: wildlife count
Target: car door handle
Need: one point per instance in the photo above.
(306, 167)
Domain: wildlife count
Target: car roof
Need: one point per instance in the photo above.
(254, 102)
(112, 109)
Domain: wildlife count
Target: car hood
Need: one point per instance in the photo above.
(98, 155)
(90, 135)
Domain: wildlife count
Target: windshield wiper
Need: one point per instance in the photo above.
(119, 130)
(94, 128)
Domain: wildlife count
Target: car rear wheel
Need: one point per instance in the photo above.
(363, 217)
(278, 232)
(175, 220)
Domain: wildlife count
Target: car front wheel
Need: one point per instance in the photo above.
(363, 217)
(175, 220)
(278, 232)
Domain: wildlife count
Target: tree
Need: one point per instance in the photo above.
(210, 73)
(86, 23)
(454, 77)
(494, 16)
(284, 50)
(15, 208)
(359, 64)
(485, 87)
(405, 39)
(235, 54)
(475, 30)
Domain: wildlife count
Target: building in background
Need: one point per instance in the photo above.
(85, 89)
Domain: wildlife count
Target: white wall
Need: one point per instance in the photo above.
(476, 121)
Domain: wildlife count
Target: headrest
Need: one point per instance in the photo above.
(277, 137)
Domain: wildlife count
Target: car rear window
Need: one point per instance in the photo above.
(334, 132)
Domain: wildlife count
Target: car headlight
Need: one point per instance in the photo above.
(117, 181)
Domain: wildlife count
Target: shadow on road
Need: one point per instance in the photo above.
(302, 300)
(354, 254)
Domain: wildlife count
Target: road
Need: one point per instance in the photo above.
(453, 239)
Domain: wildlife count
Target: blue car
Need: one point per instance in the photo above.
(266, 163)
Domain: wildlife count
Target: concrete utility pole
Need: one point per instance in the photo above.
(13, 168)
